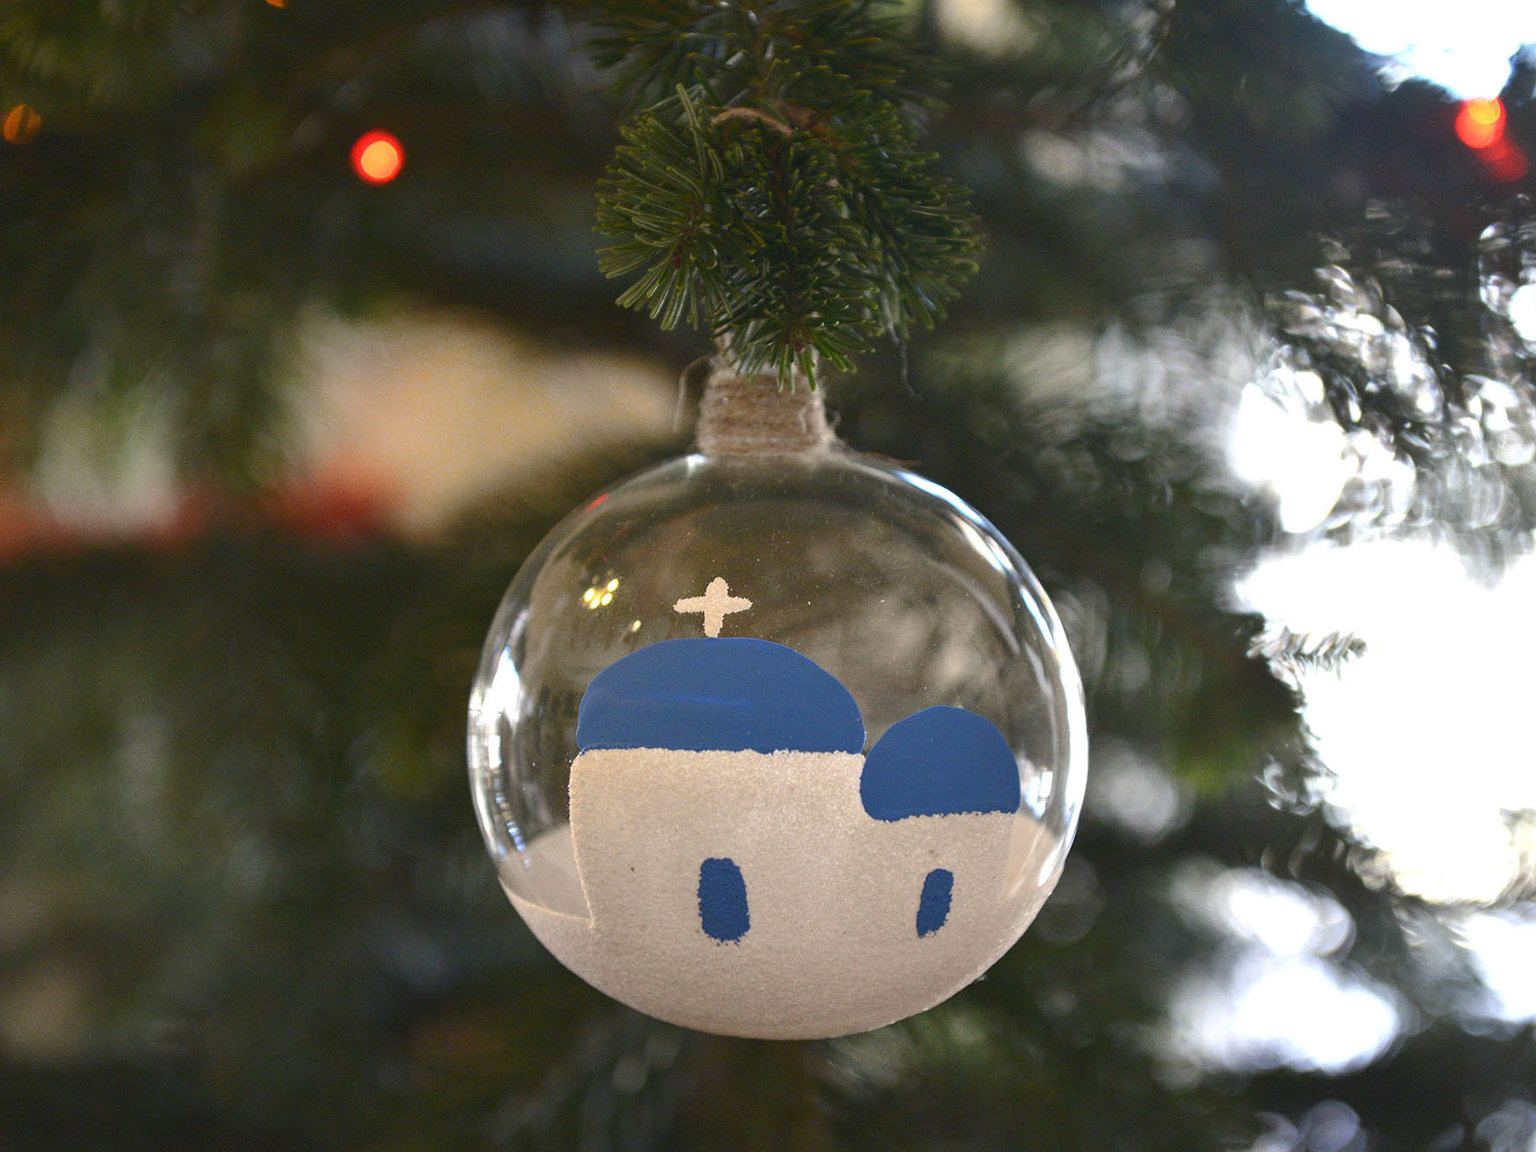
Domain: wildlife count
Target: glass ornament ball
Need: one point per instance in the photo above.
(779, 746)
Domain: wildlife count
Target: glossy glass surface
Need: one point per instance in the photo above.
(889, 582)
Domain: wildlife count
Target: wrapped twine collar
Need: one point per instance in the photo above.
(755, 416)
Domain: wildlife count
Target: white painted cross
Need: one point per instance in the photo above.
(716, 604)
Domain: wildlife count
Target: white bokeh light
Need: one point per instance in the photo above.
(1296, 1012)
(1271, 994)
(1300, 463)
(1427, 732)
(1502, 946)
(1522, 311)
(1464, 47)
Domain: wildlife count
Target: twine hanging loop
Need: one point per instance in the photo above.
(756, 416)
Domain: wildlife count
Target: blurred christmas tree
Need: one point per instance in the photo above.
(242, 901)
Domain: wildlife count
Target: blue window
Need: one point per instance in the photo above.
(723, 900)
(933, 905)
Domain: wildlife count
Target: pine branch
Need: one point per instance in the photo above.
(727, 48)
(1293, 654)
(773, 189)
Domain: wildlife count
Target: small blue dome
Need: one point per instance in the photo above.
(940, 762)
(733, 694)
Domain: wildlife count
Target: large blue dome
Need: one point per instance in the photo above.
(732, 694)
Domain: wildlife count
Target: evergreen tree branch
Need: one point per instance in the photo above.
(775, 192)
(1292, 654)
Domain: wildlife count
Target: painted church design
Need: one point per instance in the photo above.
(743, 866)
(726, 695)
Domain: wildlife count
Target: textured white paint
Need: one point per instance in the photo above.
(832, 894)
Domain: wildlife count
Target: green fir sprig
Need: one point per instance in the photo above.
(771, 185)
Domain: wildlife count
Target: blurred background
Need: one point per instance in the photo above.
(303, 345)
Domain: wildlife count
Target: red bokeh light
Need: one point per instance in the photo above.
(377, 157)
(1505, 162)
(1480, 123)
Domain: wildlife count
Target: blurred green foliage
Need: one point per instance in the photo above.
(242, 901)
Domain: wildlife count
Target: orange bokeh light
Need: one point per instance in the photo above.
(21, 124)
(1480, 123)
(377, 157)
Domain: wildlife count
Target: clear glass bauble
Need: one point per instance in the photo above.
(797, 882)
